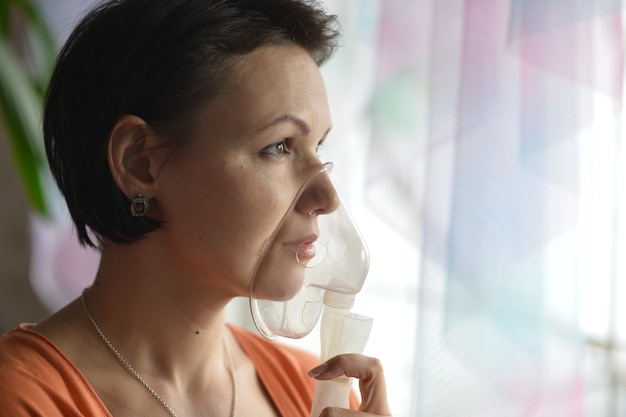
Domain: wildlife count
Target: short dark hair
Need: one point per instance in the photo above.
(159, 60)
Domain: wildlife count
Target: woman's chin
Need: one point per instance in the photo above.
(283, 287)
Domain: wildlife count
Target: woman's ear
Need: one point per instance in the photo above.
(133, 157)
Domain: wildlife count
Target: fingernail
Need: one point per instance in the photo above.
(318, 370)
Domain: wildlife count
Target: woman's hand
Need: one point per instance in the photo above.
(371, 377)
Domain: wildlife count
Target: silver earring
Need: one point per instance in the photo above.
(312, 213)
(139, 206)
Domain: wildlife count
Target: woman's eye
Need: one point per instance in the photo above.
(319, 148)
(278, 148)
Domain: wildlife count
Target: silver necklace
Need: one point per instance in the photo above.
(143, 382)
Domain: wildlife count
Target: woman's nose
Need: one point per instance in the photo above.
(319, 195)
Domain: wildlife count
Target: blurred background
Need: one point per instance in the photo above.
(479, 145)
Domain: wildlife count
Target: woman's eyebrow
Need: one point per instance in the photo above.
(289, 118)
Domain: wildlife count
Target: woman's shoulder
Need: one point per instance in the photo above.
(25, 352)
(40, 379)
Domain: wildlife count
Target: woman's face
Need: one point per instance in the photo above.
(223, 193)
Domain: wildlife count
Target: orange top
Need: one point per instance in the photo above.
(36, 379)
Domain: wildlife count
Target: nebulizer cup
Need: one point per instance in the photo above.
(315, 261)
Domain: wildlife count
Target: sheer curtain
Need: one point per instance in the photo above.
(483, 140)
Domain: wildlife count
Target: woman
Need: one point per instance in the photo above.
(179, 132)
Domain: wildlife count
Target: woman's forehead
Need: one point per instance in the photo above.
(269, 84)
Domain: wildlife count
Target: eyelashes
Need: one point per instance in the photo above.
(277, 149)
(283, 147)
(320, 147)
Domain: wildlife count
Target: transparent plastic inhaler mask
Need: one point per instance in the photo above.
(327, 264)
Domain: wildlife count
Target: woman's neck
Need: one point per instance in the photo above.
(159, 316)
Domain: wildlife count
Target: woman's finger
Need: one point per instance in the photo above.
(369, 372)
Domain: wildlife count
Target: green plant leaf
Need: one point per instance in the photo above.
(4, 18)
(21, 113)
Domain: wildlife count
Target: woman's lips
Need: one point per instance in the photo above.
(306, 250)
(303, 248)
